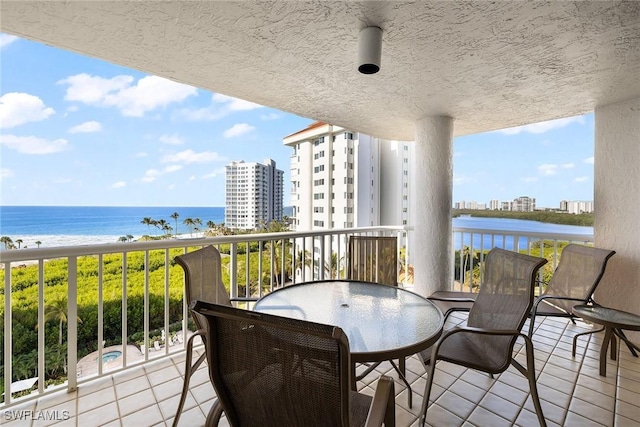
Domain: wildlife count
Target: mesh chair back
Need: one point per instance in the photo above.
(272, 371)
(203, 278)
(578, 274)
(373, 259)
(504, 302)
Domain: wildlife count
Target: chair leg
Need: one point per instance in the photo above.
(188, 371)
(530, 373)
(575, 339)
(213, 418)
(427, 392)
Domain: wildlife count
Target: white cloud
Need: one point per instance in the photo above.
(270, 116)
(548, 169)
(190, 156)
(150, 175)
(174, 139)
(589, 160)
(5, 173)
(192, 178)
(237, 130)
(87, 127)
(214, 173)
(581, 179)
(153, 174)
(171, 187)
(20, 108)
(235, 104)
(530, 179)
(119, 184)
(202, 114)
(221, 106)
(142, 154)
(568, 165)
(6, 40)
(32, 144)
(148, 94)
(543, 127)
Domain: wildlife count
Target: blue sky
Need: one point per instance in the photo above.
(80, 131)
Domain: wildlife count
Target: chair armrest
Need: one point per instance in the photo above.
(382, 410)
(542, 297)
(452, 299)
(481, 331)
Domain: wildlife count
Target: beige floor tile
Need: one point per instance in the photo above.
(483, 417)
(148, 416)
(136, 402)
(101, 415)
(590, 411)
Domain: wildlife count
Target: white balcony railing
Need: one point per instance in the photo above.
(146, 277)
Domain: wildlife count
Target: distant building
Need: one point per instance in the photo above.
(494, 205)
(523, 204)
(576, 207)
(254, 194)
(344, 179)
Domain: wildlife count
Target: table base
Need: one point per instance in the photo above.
(610, 334)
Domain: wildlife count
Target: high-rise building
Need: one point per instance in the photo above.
(344, 179)
(577, 206)
(524, 204)
(494, 204)
(254, 194)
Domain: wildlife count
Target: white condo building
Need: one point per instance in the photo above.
(345, 179)
(254, 194)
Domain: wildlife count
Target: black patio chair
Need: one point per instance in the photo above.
(495, 322)
(258, 364)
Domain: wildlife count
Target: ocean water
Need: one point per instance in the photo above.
(77, 225)
(74, 225)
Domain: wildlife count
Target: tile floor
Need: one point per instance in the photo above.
(572, 392)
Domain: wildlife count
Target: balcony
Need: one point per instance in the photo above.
(142, 385)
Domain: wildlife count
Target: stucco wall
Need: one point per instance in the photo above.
(617, 203)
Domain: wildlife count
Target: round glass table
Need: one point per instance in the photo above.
(613, 322)
(382, 322)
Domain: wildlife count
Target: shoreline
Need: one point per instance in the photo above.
(55, 240)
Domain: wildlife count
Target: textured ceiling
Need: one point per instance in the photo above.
(489, 65)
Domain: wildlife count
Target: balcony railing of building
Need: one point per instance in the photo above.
(141, 284)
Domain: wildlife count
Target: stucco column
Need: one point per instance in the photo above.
(617, 203)
(434, 182)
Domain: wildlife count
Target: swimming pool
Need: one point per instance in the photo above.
(110, 356)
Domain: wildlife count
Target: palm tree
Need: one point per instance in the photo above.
(189, 223)
(19, 242)
(122, 239)
(148, 222)
(57, 311)
(175, 216)
(197, 222)
(129, 237)
(8, 242)
(38, 242)
(162, 225)
(333, 268)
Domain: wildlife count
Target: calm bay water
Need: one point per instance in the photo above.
(73, 225)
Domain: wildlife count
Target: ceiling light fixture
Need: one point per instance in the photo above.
(369, 50)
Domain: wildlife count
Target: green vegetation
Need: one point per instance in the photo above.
(24, 286)
(471, 262)
(585, 219)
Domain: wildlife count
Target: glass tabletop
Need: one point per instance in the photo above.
(608, 316)
(381, 321)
